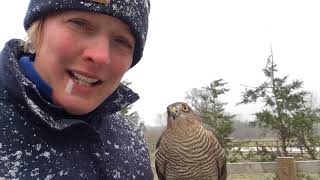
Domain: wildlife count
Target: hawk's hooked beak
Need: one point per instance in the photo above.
(172, 112)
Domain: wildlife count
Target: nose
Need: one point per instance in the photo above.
(98, 52)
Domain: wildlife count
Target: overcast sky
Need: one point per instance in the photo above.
(191, 43)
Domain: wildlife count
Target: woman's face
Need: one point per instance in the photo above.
(83, 53)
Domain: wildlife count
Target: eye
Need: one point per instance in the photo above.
(124, 42)
(185, 108)
(80, 23)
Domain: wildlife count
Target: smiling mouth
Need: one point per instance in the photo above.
(83, 80)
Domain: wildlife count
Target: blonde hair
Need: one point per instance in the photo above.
(32, 42)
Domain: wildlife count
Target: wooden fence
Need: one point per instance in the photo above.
(286, 167)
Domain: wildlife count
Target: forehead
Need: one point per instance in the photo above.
(109, 21)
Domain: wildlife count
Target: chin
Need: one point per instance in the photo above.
(78, 110)
(76, 107)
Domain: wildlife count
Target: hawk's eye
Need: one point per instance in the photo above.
(184, 108)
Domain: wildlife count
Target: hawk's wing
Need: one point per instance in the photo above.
(222, 168)
(161, 175)
(214, 132)
(221, 160)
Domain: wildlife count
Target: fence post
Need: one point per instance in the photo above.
(287, 168)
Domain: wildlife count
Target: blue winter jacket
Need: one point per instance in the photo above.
(39, 140)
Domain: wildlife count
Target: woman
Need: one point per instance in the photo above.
(60, 92)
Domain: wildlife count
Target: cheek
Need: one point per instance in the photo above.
(115, 74)
(119, 64)
(123, 63)
(66, 47)
(59, 42)
(120, 68)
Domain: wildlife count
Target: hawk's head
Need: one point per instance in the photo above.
(180, 112)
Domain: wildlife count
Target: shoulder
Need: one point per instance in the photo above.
(124, 134)
(129, 136)
(125, 128)
(126, 149)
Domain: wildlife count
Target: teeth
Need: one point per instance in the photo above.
(82, 83)
(83, 80)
